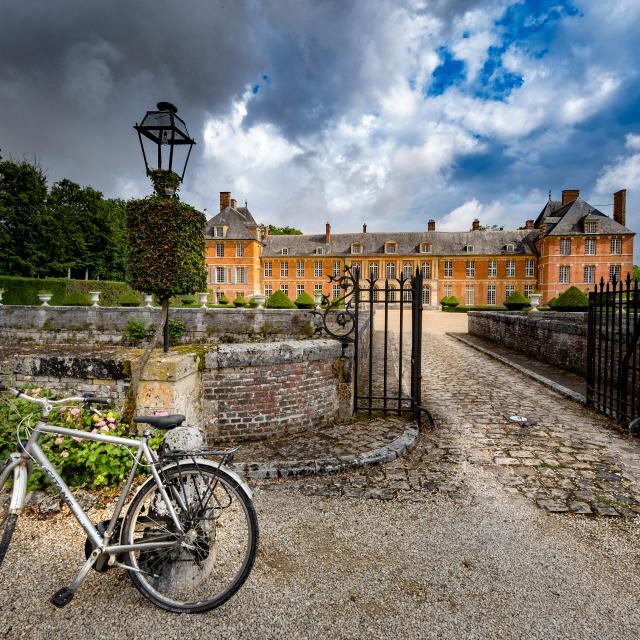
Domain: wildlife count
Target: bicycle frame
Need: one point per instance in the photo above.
(31, 450)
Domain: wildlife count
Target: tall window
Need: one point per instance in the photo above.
(528, 290)
(590, 247)
(285, 289)
(220, 275)
(300, 269)
(448, 289)
(356, 266)
(391, 269)
(614, 272)
(268, 289)
(336, 267)
(491, 294)
(268, 269)
(448, 268)
(591, 227)
(511, 268)
(407, 270)
(284, 269)
(471, 268)
(564, 274)
(492, 268)
(589, 274)
(299, 289)
(219, 250)
(529, 267)
(616, 246)
(565, 247)
(317, 286)
(426, 270)
(373, 270)
(509, 289)
(317, 268)
(426, 295)
(335, 291)
(406, 294)
(239, 250)
(240, 275)
(469, 295)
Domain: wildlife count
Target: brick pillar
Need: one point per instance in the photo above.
(327, 233)
(225, 199)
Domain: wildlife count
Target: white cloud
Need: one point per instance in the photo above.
(624, 173)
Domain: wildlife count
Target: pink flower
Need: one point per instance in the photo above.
(94, 430)
(77, 439)
(101, 423)
(111, 420)
(161, 413)
(63, 409)
(75, 411)
(59, 440)
(65, 454)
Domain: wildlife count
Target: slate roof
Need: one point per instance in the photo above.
(442, 243)
(569, 220)
(239, 222)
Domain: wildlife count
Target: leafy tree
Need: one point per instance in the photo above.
(636, 271)
(281, 231)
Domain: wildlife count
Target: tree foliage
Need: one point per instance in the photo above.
(636, 271)
(281, 231)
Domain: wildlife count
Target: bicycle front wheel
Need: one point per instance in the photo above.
(213, 556)
(7, 520)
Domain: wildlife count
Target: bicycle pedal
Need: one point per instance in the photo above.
(62, 597)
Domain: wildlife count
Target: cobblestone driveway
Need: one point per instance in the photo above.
(571, 459)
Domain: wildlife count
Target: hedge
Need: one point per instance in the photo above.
(25, 290)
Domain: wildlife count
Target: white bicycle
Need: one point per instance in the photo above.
(189, 535)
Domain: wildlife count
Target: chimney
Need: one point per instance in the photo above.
(569, 195)
(364, 228)
(327, 234)
(475, 225)
(234, 203)
(225, 197)
(620, 207)
(529, 224)
(431, 225)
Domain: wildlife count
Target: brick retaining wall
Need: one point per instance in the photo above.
(559, 339)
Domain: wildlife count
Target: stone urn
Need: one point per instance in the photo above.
(260, 299)
(44, 298)
(148, 300)
(536, 299)
(95, 298)
(317, 298)
(204, 297)
(1, 292)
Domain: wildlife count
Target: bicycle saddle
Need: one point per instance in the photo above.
(161, 422)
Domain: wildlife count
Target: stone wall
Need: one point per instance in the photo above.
(559, 339)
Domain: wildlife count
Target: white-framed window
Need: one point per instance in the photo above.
(529, 268)
(239, 250)
(492, 269)
(219, 249)
(468, 248)
(491, 294)
(528, 290)
(426, 295)
(391, 269)
(240, 275)
(511, 268)
(218, 232)
(284, 269)
(590, 246)
(391, 294)
(540, 275)
(356, 266)
(448, 268)
(268, 289)
(285, 289)
(565, 247)
(510, 248)
(447, 290)
(299, 289)
(589, 274)
(426, 270)
(220, 275)
(336, 291)
(319, 251)
(509, 289)
(391, 247)
(471, 268)
(284, 251)
(317, 286)
(614, 272)
(336, 267)
(300, 269)
(317, 269)
(373, 270)
(564, 274)
(268, 269)
(406, 294)
(616, 246)
(591, 227)
(407, 270)
(356, 247)
(425, 247)
(469, 295)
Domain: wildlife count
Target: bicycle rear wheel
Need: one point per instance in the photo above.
(212, 559)
(7, 520)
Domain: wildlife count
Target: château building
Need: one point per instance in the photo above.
(569, 243)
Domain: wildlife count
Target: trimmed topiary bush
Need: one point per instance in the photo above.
(450, 301)
(279, 300)
(573, 299)
(240, 301)
(76, 299)
(517, 301)
(253, 303)
(223, 299)
(187, 300)
(130, 300)
(305, 301)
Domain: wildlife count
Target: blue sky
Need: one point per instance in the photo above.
(384, 111)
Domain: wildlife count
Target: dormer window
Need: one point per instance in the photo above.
(356, 247)
(391, 247)
(468, 248)
(510, 248)
(218, 232)
(318, 251)
(425, 247)
(284, 251)
(591, 226)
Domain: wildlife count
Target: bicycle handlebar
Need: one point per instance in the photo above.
(88, 399)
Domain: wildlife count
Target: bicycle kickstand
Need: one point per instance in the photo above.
(65, 595)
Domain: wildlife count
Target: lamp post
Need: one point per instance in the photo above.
(165, 130)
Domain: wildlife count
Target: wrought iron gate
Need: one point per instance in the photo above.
(383, 320)
(613, 352)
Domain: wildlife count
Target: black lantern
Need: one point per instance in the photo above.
(165, 129)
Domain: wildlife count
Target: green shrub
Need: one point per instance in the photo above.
(517, 301)
(573, 299)
(305, 301)
(552, 303)
(279, 300)
(253, 303)
(187, 300)
(130, 300)
(223, 299)
(135, 331)
(240, 301)
(450, 301)
(77, 299)
(176, 331)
